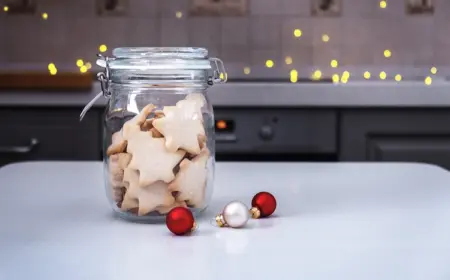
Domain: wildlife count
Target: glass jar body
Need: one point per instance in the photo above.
(159, 149)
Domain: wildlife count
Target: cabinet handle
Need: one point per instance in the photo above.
(20, 149)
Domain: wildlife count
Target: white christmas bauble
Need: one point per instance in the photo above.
(236, 214)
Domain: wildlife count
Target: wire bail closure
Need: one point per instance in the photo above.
(218, 70)
(104, 78)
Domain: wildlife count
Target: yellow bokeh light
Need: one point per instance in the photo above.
(334, 63)
(83, 69)
(80, 62)
(102, 48)
(269, 63)
(316, 75)
(88, 65)
(387, 53)
(179, 14)
(366, 75)
(5, 8)
(398, 77)
(53, 72)
(383, 75)
(51, 66)
(247, 70)
(293, 76)
(428, 80)
(223, 76)
(335, 78)
(383, 4)
(288, 60)
(344, 80)
(433, 70)
(345, 75)
(297, 33)
(325, 38)
(44, 16)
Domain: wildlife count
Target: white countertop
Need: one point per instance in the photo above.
(265, 94)
(334, 221)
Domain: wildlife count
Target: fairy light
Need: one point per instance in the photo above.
(345, 76)
(334, 63)
(269, 63)
(88, 65)
(297, 33)
(398, 77)
(383, 4)
(247, 70)
(325, 38)
(335, 78)
(387, 53)
(288, 60)
(428, 80)
(366, 75)
(5, 9)
(80, 62)
(102, 48)
(383, 75)
(433, 70)
(317, 75)
(83, 69)
(44, 16)
(179, 14)
(52, 69)
(293, 76)
(223, 76)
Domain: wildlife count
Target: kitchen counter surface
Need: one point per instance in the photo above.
(353, 94)
(333, 221)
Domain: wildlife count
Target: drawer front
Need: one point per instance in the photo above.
(271, 131)
(48, 134)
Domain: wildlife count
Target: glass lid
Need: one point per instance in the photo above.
(157, 58)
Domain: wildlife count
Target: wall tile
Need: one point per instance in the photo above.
(323, 55)
(259, 57)
(234, 31)
(294, 7)
(265, 32)
(265, 7)
(355, 55)
(302, 56)
(326, 26)
(143, 32)
(236, 54)
(174, 32)
(358, 8)
(204, 32)
(144, 8)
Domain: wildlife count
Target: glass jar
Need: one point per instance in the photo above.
(159, 146)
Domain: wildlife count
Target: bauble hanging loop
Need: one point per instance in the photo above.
(235, 214)
(263, 205)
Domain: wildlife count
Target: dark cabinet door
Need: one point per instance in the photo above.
(396, 135)
(48, 134)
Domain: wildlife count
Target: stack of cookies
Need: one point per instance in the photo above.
(157, 161)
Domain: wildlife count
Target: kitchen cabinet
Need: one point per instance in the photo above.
(48, 134)
(411, 135)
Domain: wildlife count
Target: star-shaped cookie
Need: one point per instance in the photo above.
(190, 181)
(151, 158)
(136, 122)
(181, 127)
(117, 164)
(118, 144)
(147, 198)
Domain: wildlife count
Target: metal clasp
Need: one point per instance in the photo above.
(104, 78)
(219, 72)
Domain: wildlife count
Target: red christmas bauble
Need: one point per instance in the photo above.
(265, 202)
(180, 221)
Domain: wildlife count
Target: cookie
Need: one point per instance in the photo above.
(192, 105)
(166, 209)
(147, 198)
(190, 181)
(147, 125)
(181, 129)
(118, 144)
(150, 157)
(136, 122)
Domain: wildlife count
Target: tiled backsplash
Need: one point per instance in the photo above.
(357, 37)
